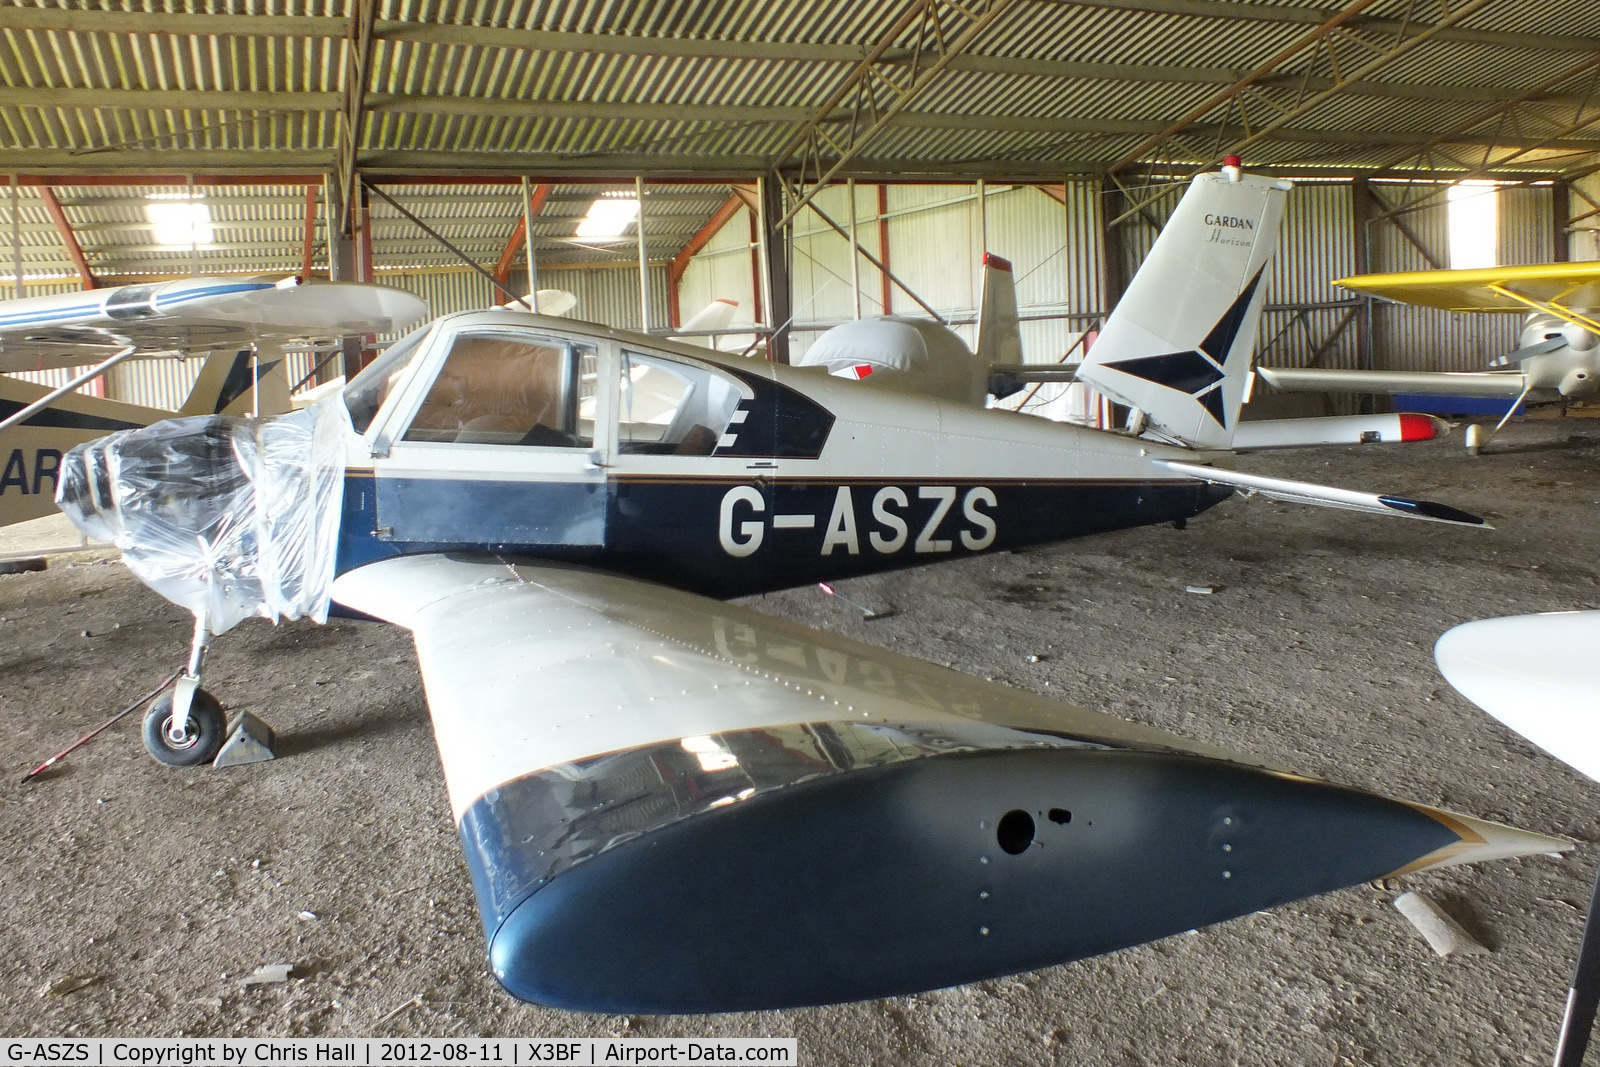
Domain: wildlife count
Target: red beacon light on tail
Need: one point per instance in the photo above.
(1233, 167)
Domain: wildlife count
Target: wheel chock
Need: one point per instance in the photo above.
(250, 741)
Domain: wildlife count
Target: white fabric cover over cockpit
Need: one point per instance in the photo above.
(911, 355)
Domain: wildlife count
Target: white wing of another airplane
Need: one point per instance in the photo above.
(1537, 674)
(191, 315)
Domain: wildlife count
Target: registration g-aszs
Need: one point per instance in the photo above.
(884, 523)
(48, 1052)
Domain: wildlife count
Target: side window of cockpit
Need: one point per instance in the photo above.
(669, 408)
(496, 389)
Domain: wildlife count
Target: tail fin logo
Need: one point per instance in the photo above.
(1199, 371)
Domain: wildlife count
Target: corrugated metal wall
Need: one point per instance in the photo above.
(610, 295)
(1309, 319)
(723, 270)
(1411, 338)
(935, 245)
(1527, 225)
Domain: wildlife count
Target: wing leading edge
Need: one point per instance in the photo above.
(191, 315)
(1487, 384)
(1486, 288)
(670, 804)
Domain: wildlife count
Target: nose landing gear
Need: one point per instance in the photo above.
(187, 727)
(191, 740)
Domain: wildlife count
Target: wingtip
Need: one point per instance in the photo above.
(1429, 509)
(1481, 841)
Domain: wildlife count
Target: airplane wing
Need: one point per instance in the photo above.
(1326, 496)
(191, 315)
(1507, 384)
(1573, 285)
(671, 804)
(1535, 673)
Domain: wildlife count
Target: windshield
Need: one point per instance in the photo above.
(366, 394)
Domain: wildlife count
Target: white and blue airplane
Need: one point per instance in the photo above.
(239, 324)
(672, 804)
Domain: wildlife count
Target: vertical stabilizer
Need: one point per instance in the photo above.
(241, 383)
(999, 335)
(1178, 345)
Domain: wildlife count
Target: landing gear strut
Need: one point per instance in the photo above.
(187, 727)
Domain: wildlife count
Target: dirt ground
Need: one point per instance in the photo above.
(137, 897)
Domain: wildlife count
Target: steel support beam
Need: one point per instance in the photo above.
(69, 240)
(182, 24)
(1323, 42)
(342, 264)
(308, 246)
(876, 91)
(356, 73)
(519, 236)
(775, 241)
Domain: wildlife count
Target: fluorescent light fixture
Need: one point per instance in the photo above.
(179, 221)
(1472, 222)
(609, 216)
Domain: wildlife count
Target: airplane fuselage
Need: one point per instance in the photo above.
(812, 478)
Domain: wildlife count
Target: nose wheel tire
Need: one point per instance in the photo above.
(208, 729)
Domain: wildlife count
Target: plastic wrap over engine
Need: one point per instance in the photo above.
(229, 517)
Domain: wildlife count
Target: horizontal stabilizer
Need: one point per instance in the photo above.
(1037, 372)
(1326, 495)
(1433, 383)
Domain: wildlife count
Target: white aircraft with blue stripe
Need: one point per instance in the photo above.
(240, 323)
(672, 804)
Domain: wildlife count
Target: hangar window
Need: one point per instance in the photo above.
(1473, 224)
(673, 408)
(508, 389)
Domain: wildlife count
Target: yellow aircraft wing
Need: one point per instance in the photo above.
(1565, 290)
(1534, 287)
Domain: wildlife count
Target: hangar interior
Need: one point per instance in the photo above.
(419, 145)
(816, 162)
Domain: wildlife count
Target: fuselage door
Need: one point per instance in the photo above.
(499, 446)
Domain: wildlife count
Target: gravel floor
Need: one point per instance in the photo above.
(136, 897)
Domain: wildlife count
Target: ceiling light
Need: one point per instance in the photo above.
(180, 223)
(609, 216)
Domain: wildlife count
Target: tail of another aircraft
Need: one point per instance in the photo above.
(1178, 345)
(999, 332)
(241, 383)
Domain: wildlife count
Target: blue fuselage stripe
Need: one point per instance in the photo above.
(684, 533)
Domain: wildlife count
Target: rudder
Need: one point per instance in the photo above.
(1179, 343)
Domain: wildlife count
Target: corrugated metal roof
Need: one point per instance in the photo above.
(563, 90)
